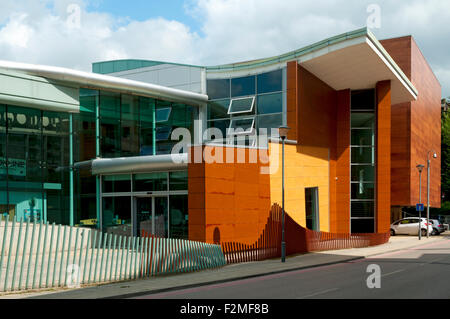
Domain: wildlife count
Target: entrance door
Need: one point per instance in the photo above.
(312, 208)
(151, 216)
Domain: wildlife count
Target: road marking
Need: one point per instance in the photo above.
(319, 293)
(394, 272)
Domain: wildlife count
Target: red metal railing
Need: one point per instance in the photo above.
(298, 240)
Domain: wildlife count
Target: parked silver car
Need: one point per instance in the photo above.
(410, 226)
(438, 227)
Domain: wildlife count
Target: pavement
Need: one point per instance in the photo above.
(229, 273)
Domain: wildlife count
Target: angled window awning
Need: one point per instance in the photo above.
(242, 126)
(241, 105)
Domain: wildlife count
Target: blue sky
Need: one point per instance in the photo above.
(142, 10)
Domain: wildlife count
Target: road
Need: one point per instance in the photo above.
(419, 272)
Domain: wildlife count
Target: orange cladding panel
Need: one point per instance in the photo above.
(383, 156)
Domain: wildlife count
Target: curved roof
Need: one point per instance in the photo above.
(93, 80)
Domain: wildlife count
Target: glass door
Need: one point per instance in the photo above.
(161, 217)
(144, 215)
(151, 216)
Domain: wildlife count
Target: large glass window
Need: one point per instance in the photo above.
(259, 97)
(362, 161)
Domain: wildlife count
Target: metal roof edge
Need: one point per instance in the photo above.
(289, 55)
(392, 63)
(86, 79)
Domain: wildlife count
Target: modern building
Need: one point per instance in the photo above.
(97, 149)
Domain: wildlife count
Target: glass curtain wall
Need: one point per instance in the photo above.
(34, 167)
(155, 202)
(255, 100)
(363, 161)
(133, 126)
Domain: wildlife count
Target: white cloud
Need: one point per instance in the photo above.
(16, 34)
(231, 31)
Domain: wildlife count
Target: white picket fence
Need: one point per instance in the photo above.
(41, 255)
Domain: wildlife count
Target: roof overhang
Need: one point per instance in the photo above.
(100, 81)
(353, 60)
(139, 164)
(359, 63)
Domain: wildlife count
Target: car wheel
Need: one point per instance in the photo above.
(424, 232)
(392, 232)
(435, 232)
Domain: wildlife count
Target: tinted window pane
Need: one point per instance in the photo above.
(222, 125)
(363, 209)
(363, 100)
(243, 86)
(116, 183)
(363, 190)
(363, 225)
(147, 108)
(366, 120)
(363, 137)
(363, 173)
(218, 89)
(270, 121)
(130, 125)
(178, 180)
(110, 124)
(363, 155)
(150, 182)
(218, 109)
(270, 103)
(270, 82)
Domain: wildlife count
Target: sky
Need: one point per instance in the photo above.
(75, 33)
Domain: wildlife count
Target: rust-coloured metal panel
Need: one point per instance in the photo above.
(292, 98)
(317, 127)
(415, 127)
(341, 222)
(383, 156)
(227, 201)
